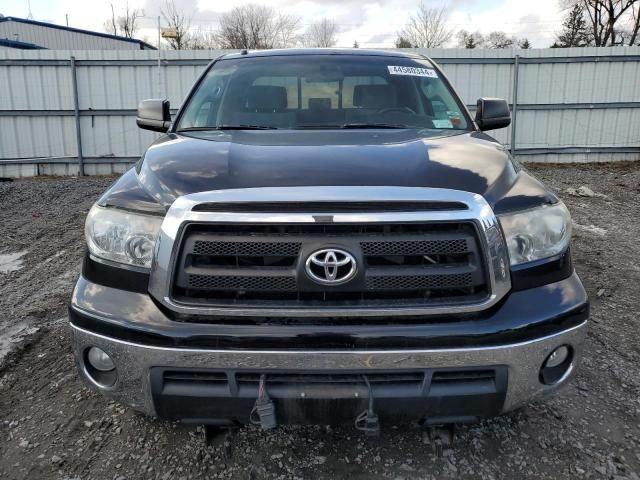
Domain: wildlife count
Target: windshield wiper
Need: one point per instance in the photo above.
(228, 127)
(373, 125)
(353, 125)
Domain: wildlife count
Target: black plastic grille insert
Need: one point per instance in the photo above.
(264, 265)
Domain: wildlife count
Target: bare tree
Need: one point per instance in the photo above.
(321, 34)
(499, 39)
(427, 27)
(611, 22)
(179, 22)
(111, 25)
(634, 35)
(257, 27)
(470, 39)
(203, 40)
(125, 25)
(286, 27)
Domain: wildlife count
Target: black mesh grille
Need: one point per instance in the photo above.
(249, 249)
(420, 282)
(265, 283)
(418, 247)
(398, 264)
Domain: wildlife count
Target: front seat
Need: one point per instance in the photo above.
(374, 97)
(266, 98)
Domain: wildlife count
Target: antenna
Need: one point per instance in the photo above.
(30, 16)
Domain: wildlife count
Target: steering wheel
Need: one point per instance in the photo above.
(396, 109)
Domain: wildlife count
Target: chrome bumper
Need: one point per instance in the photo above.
(134, 362)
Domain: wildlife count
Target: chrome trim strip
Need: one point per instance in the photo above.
(125, 266)
(478, 211)
(408, 351)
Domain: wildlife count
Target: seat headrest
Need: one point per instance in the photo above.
(374, 96)
(319, 104)
(266, 98)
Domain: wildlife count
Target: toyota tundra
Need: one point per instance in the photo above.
(327, 236)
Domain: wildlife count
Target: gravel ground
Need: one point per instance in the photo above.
(51, 426)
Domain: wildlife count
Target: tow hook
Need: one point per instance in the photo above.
(367, 421)
(264, 411)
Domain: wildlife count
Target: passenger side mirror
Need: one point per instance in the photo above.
(492, 113)
(154, 115)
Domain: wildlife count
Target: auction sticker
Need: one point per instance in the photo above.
(412, 71)
(442, 123)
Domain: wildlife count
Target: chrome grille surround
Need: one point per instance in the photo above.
(477, 211)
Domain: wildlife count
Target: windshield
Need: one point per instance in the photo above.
(323, 91)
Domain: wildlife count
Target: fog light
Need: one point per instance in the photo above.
(557, 357)
(99, 360)
(557, 366)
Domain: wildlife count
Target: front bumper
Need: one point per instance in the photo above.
(512, 340)
(135, 363)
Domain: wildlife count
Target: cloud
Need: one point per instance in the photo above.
(373, 23)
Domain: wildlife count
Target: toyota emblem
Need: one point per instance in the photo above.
(331, 266)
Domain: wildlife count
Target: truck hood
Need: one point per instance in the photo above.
(178, 164)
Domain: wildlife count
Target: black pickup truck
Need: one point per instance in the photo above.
(327, 236)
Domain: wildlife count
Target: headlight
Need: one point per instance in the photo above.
(122, 236)
(537, 233)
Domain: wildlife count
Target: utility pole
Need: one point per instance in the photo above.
(159, 60)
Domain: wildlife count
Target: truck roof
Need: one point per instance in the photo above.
(323, 51)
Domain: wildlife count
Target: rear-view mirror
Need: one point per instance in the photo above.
(492, 113)
(154, 114)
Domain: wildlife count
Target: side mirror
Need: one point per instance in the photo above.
(154, 115)
(492, 113)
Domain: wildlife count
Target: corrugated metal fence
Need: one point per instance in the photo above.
(569, 105)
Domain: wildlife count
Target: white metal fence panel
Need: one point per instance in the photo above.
(571, 104)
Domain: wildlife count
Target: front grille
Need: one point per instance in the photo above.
(438, 382)
(418, 247)
(394, 378)
(264, 283)
(420, 282)
(422, 379)
(399, 264)
(246, 249)
(430, 396)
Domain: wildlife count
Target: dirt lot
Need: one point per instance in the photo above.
(51, 426)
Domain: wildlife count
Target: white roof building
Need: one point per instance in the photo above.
(28, 34)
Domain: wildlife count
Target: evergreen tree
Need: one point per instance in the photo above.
(470, 39)
(402, 42)
(524, 44)
(355, 44)
(574, 30)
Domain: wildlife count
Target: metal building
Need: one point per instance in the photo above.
(23, 33)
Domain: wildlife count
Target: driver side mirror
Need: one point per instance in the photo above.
(154, 115)
(492, 113)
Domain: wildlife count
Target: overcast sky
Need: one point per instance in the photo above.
(371, 23)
